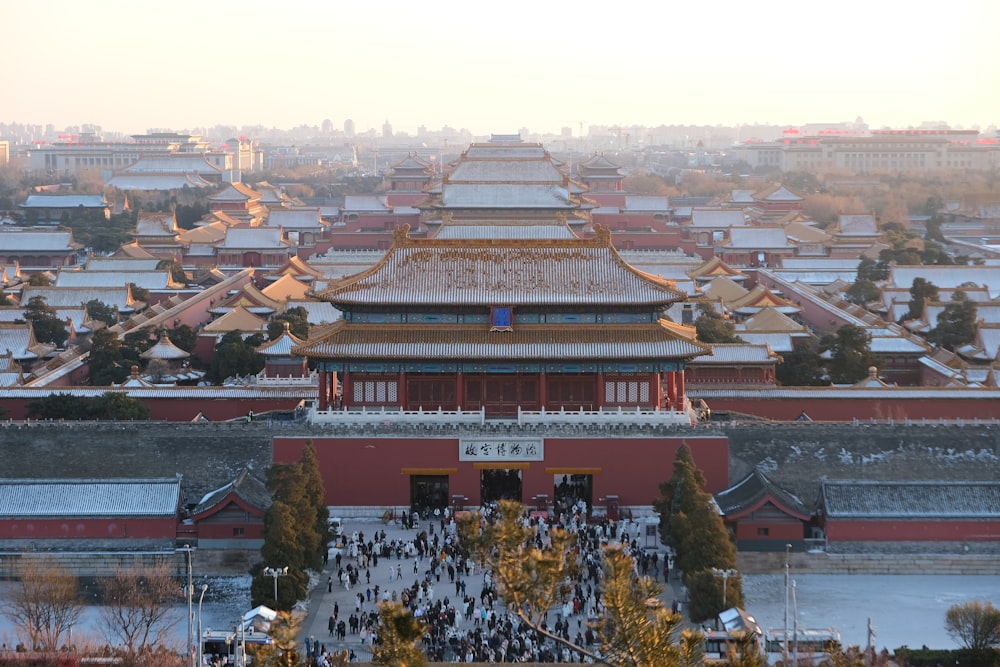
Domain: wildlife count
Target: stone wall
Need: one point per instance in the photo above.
(799, 456)
(755, 562)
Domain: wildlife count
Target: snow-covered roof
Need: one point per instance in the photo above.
(433, 271)
(80, 498)
(296, 218)
(14, 241)
(717, 218)
(65, 201)
(928, 500)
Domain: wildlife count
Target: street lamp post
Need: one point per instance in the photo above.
(784, 650)
(204, 587)
(190, 596)
(725, 574)
(276, 572)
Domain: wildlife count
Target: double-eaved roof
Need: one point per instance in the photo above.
(89, 498)
(508, 272)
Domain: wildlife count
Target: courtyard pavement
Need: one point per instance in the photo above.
(322, 601)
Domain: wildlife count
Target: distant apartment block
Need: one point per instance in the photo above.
(74, 153)
(874, 151)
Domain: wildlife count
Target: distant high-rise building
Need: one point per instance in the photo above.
(386, 130)
(349, 127)
(327, 126)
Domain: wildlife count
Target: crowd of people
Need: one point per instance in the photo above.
(433, 577)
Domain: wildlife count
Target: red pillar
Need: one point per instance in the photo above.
(323, 397)
(543, 394)
(348, 389)
(680, 390)
(459, 390)
(401, 391)
(599, 393)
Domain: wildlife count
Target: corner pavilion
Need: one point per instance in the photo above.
(457, 337)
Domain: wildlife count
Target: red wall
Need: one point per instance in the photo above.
(76, 529)
(898, 530)
(367, 471)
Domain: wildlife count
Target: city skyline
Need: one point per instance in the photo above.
(543, 66)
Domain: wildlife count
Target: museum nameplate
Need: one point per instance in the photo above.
(501, 449)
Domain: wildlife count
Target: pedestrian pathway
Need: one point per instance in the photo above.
(331, 597)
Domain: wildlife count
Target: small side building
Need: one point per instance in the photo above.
(922, 512)
(228, 523)
(762, 515)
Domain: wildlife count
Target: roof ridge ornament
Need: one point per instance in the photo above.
(401, 235)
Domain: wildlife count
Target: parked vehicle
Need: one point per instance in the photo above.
(805, 646)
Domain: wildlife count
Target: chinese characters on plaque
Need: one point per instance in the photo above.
(501, 449)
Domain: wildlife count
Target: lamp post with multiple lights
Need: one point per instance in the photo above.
(276, 572)
(784, 650)
(725, 574)
(192, 654)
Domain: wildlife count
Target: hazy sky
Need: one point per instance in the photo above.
(131, 65)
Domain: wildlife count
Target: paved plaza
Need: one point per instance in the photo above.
(323, 602)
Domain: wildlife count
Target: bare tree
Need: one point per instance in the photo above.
(138, 608)
(975, 624)
(46, 605)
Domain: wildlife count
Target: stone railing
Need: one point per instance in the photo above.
(603, 417)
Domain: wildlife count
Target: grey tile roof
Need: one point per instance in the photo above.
(752, 489)
(493, 231)
(64, 201)
(929, 500)
(246, 486)
(79, 498)
(31, 241)
(565, 272)
(524, 343)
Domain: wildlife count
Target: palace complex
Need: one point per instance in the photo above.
(504, 331)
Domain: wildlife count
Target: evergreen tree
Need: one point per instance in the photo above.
(45, 322)
(399, 634)
(956, 324)
(184, 337)
(869, 269)
(850, 354)
(106, 362)
(118, 406)
(714, 328)
(295, 530)
(691, 525)
(235, 356)
(921, 291)
(101, 312)
(312, 485)
(800, 368)
(298, 324)
(862, 292)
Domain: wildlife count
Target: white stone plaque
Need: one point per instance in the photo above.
(501, 449)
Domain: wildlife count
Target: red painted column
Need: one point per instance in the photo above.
(543, 394)
(323, 397)
(401, 391)
(347, 383)
(680, 390)
(599, 393)
(459, 390)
